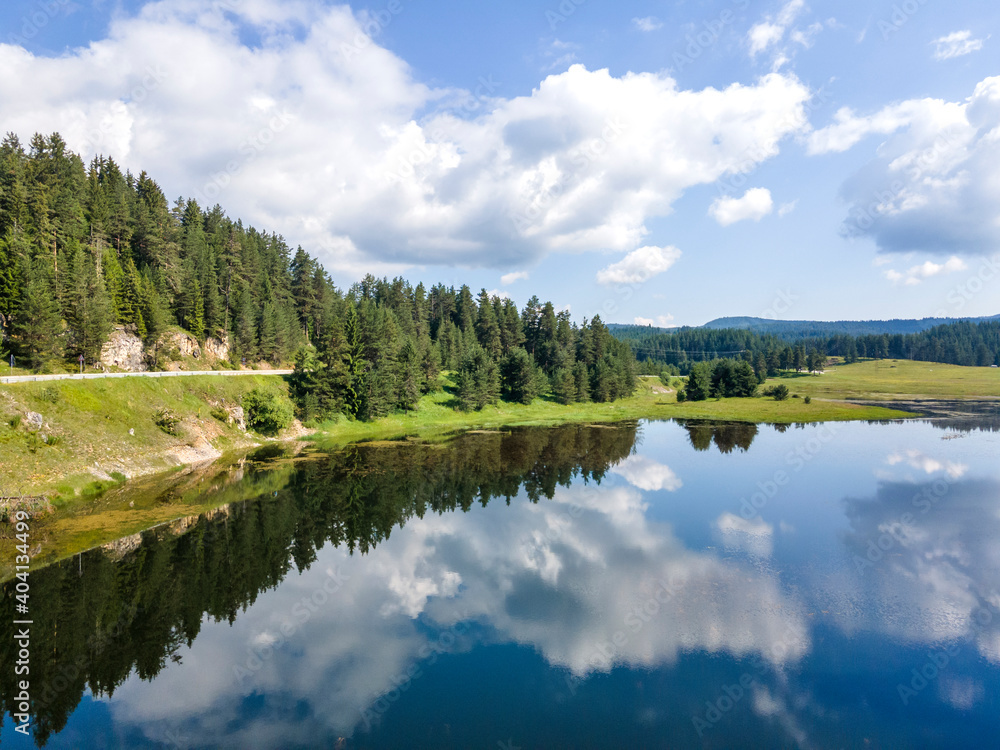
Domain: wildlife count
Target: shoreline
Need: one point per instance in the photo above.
(104, 435)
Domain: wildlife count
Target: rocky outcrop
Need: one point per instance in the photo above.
(217, 349)
(124, 351)
(237, 416)
(179, 344)
(34, 420)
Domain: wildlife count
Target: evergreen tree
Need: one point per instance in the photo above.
(38, 324)
(699, 383)
(582, 382)
(487, 329)
(409, 377)
(517, 377)
(564, 386)
(478, 380)
(267, 333)
(13, 257)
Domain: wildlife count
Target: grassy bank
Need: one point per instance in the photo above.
(896, 380)
(97, 432)
(436, 414)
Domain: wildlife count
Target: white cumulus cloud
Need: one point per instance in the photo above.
(322, 135)
(646, 474)
(754, 536)
(510, 278)
(915, 274)
(755, 204)
(927, 464)
(932, 185)
(639, 265)
(956, 44)
(771, 31)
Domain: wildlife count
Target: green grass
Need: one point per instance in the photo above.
(92, 420)
(886, 380)
(651, 400)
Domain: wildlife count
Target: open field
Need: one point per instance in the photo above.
(887, 380)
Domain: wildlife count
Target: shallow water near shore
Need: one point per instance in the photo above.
(660, 584)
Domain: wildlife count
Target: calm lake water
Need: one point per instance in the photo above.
(656, 585)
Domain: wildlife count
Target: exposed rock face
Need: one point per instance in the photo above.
(237, 416)
(215, 349)
(35, 420)
(185, 343)
(124, 351)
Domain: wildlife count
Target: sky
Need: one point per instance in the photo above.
(662, 163)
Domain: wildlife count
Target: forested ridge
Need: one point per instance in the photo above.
(86, 247)
(959, 343)
(795, 330)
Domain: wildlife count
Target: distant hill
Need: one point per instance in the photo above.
(792, 330)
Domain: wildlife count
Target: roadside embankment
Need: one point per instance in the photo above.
(70, 438)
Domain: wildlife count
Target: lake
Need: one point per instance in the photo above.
(655, 585)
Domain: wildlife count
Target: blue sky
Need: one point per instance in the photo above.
(665, 162)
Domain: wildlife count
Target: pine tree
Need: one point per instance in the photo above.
(517, 377)
(90, 317)
(37, 322)
(354, 361)
(130, 309)
(409, 377)
(267, 333)
(478, 380)
(564, 386)
(487, 330)
(246, 327)
(582, 382)
(13, 256)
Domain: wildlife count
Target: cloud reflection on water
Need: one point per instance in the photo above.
(585, 579)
